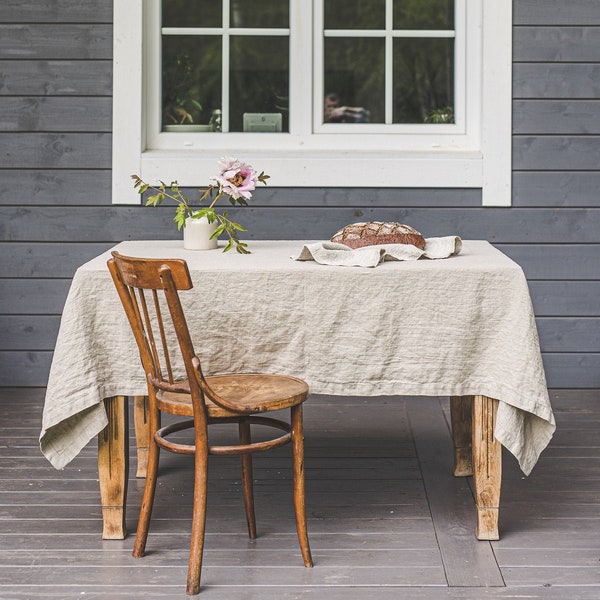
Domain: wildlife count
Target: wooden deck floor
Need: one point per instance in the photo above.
(386, 518)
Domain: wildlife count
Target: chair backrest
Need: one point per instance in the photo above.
(159, 339)
(160, 330)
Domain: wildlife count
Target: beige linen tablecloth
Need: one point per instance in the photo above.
(452, 327)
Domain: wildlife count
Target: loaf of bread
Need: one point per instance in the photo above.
(374, 233)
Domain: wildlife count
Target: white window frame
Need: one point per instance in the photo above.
(475, 152)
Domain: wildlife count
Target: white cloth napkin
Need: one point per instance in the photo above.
(330, 253)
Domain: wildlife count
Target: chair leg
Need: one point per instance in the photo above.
(198, 518)
(247, 483)
(147, 500)
(298, 476)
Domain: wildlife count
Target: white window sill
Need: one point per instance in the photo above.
(322, 169)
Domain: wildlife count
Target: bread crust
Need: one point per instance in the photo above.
(372, 233)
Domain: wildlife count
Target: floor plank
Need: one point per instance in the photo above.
(468, 562)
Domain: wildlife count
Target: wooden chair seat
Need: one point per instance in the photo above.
(251, 392)
(143, 286)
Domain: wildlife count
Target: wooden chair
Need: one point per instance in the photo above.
(208, 400)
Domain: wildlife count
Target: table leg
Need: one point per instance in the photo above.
(487, 467)
(113, 467)
(142, 433)
(461, 408)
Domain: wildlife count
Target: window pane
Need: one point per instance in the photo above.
(192, 13)
(191, 79)
(260, 13)
(354, 14)
(259, 79)
(424, 14)
(423, 80)
(354, 80)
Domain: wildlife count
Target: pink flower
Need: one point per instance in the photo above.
(236, 178)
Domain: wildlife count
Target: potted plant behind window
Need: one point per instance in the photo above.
(203, 225)
(181, 108)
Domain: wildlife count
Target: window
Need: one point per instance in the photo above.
(336, 93)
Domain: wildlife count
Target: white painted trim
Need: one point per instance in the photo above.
(397, 169)
(461, 155)
(496, 122)
(128, 138)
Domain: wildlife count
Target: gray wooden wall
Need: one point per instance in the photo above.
(56, 211)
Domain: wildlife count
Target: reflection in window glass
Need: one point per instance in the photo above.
(354, 80)
(424, 14)
(191, 79)
(259, 78)
(192, 13)
(354, 14)
(260, 13)
(423, 80)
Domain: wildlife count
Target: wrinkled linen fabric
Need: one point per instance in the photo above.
(332, 253)
(454, 327)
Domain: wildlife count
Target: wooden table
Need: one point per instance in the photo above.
(459, 327)
(476, 452)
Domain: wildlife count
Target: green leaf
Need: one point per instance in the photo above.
(207, 212)
(154, 200)
(180, 220)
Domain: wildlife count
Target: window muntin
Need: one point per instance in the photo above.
(223, 62)
(390, 63)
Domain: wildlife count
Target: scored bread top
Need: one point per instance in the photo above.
(357, 235)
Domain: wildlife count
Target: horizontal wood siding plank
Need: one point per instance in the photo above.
(55, 78)
(566, 153)
(556, 117)
(556, 44)
(559, 262)
(33, 296)
(24, 368)
(55, 150)
(57, 260)
(55, 11)
(36, 113)
(556, 12)
(556, 80)
(56, 187)
(55, 41)
(117, 223)
(546, 188)
(572, 370)
(93, 187)
(28, 332)
(565, 298)
(562, 334)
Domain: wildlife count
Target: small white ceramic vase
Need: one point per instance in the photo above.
(197, 232)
